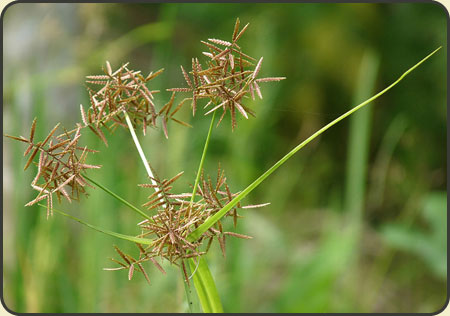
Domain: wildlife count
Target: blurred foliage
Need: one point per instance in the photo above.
(430, 244)
(306, 255)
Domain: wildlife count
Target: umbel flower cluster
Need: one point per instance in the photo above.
(122, 98)
(229, 78)
(176, 216)
(60, 167)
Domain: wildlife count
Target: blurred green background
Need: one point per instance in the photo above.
(357, 221)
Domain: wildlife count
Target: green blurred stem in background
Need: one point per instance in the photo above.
(357, 157)
(359, 136)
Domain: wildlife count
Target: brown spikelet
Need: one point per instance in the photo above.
(20, 139)
(164, 125)
(102, 136)
(270, 79)
(241, 32)
(49, 205)
(157, 265)
(119, 263)
(181, 122)
(257, 68)
(141, 268)
(30, 159)
(238, 235)
(58, 145)
(236, 29)
(100, 78)
(241, 109)
(194, 104)
(222, 244)
(211, 47)
(61, 186)
(256, 205)
(50, 134)
(186, 77)
(38, 199)
(154, 75)
(195, 75)
(27, 151)
(258, 90)
(122, 255)
(209, 244)
(130, 271)
(179, 106)
(231, 59)
(219, 42)
(221, 54)
(233, 118)
(252, 91)
(108, 68)
(179, 89)
(208, 54)
(32, 130)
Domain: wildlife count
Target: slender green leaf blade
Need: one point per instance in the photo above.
(138, 240)
(122, 200)
(194, 235)
(205, 287)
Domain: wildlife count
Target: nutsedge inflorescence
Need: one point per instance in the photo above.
(223, 82)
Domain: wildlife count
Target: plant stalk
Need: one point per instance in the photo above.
(203, 281)
(189, 298)
(139, 149)
(202, 160)
(205, 287)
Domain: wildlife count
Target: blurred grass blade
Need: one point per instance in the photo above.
(389, 143)
(194, 235)
(138, 240)
(359, 139)
(147, 33)
(205, 287)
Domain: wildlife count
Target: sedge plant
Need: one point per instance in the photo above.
(177, 227)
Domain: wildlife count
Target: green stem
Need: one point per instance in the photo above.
(131, 206)
(139, 149)
(202, 160)
(213, 219)
(192, 306)
(203, 280)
